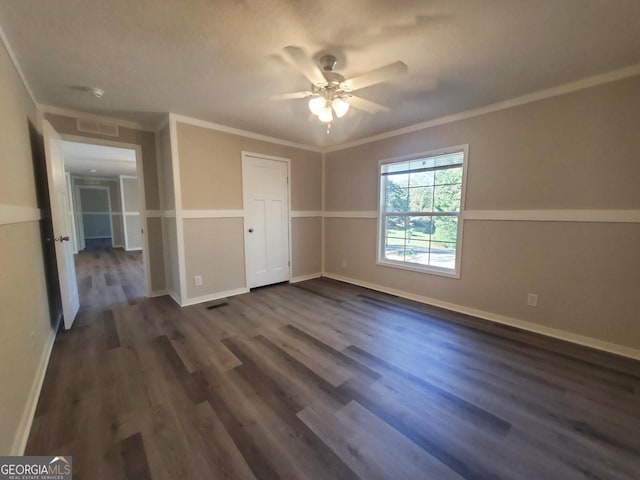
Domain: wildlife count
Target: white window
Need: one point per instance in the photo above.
(421, 199)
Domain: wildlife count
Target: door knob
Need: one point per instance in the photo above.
(251, 230)
(61, 239)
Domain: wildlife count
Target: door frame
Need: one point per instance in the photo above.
(287, 161)
(143, 204)
(72, 212)
(81, 212)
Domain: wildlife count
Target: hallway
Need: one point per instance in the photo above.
(107, 278)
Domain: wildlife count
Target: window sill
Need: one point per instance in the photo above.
(441, 272)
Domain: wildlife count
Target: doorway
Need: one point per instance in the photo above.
(106, 206)
(265, 186)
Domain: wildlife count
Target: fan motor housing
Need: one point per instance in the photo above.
(328, 63)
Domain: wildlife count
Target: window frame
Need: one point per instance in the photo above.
(404, 265)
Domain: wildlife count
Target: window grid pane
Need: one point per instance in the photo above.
(420, 211)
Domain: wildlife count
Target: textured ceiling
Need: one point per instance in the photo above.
(220, 60)
(81, 158)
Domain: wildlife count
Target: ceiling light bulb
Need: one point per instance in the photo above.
(316, 105)
(326, 115)
(341, 107)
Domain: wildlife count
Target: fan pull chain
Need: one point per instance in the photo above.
(328, 128)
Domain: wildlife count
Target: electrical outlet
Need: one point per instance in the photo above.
(532, 299)
(344, 263)
(198, 280)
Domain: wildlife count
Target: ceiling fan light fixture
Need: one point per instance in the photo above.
(330, 94)
(341, 107)
(317, 105)
(326, 115)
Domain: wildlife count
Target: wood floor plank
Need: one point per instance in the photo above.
(317, 459)
(136, 465)
(220, 446)
(465, 409)
(371, 447)
(219, 393)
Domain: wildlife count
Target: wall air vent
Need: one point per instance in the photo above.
(91, 126)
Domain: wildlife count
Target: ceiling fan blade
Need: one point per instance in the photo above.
(305, 65)
(290, 96)
(366, 105)
(378, 75)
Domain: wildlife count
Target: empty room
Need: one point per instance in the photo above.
(320, 240)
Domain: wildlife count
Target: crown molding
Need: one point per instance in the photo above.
(244, 133)
(67, 112)
(162, 123)
(16, 65)
(588, 82)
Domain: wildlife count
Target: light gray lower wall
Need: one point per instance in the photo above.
(214, 249)
(173, 270)
(134, 233)
(306, 246)
(584, 287)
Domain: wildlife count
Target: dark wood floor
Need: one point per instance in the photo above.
(323, 380)
(108, 278)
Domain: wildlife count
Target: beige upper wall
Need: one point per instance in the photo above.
(211, 169)
(575, 151)
(17, 186)
(166, 168)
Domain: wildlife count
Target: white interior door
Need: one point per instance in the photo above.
(266, 203)
(60, 208)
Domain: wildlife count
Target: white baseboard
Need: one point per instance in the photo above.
(503, 319)
(302, 278)
(214, 296)
(159, 293)
(175, 297)
(24, 427)
(133, 249)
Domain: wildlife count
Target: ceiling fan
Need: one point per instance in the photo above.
(331, 94)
